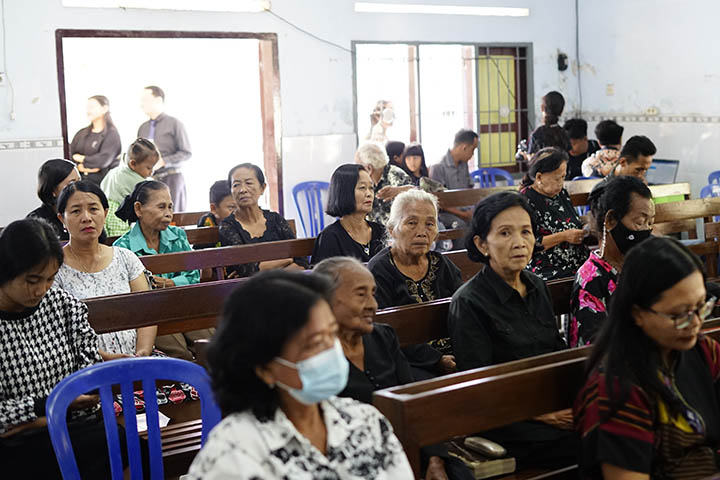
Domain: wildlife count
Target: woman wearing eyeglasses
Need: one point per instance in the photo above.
(650, 407)
(559, 251)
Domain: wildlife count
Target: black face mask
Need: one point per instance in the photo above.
(625, 238)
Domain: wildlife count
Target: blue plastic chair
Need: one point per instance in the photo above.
(714, 177)
(710, 191)
(585, 178)
(123, 372)
(313, 202)
(487, 176)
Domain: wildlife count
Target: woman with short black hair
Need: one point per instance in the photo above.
(350, 200)
(276, 368)
(53, 176)
(650, 406)
(44, 337)
(624, 207)
(504, 313)
(251, 224)
(560, 233)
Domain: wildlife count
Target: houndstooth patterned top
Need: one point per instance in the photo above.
(38, 348)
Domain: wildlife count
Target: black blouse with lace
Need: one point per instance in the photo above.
(395, 289)
(276, 228)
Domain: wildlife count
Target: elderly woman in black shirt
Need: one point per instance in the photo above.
(251, 224)
(504, 313)
(372, 349)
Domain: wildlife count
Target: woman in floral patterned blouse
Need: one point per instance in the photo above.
(623, 207)
(559, 249)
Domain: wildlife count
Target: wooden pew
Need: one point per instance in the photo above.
(183, 219)
(675, 217)
(201, 235)
(578, 191)
(485, 398)
(481, 399)
(220, 257)
(198, 306)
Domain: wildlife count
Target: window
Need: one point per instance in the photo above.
(436, 89)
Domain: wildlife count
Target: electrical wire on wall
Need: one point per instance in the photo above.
(308, 33)
(5, 70)
(577, 57)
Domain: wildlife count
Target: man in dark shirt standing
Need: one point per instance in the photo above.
(171, 139)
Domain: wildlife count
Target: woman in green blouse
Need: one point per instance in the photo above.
(150, 207)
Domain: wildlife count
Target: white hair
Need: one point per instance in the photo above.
(402, 202)
(334, 266)
(371, 154)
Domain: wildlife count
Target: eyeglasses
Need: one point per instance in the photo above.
(685, 319)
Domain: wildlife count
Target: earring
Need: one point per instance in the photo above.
(602, 243)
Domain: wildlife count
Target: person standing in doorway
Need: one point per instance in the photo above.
(96, 148)
(171, 139)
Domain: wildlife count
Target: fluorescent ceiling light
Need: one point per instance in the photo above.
(372, 7)
(186, 5)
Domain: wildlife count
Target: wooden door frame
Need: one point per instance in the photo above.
(270, 106)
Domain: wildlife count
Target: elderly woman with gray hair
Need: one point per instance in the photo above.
(408, 271)
(389, 180)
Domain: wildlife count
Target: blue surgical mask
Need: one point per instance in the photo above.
(322, 375)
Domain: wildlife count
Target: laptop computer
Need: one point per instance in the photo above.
(662, 171)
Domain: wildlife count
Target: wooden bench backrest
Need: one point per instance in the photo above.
(578, 191)
(184, 219)
(479, 400)
(200, 235)
(485, 398)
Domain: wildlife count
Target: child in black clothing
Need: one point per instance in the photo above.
(221, 205)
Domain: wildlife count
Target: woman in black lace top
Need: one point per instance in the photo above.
(252, 224)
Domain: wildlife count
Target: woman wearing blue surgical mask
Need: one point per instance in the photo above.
(623, 212)
(276, 368)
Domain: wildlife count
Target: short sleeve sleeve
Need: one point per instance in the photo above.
(327, 244)
(624, 438)
(134, 266)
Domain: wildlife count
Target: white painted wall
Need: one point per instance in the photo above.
(316, 78)
(661, 55)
